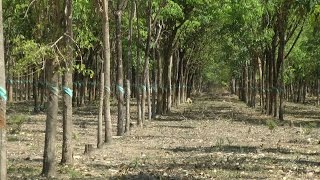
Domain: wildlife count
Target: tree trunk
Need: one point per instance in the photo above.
(129, 73)
(51, 122)
(107, 75)
(101, 108)
(120, 89)
(261, 80)
(318, 91)
(67, 147)
(35, 91)
(154, 91)
(146, 81)
(169, 88)
(159, 82)
(138, 78)
(3, 99)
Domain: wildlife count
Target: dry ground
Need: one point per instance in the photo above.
(217, 137)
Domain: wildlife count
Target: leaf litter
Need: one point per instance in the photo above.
(214, 138)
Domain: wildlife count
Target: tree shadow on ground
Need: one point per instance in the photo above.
(239, 149)
(171, 117)
(222, 148)
(146, 176)
(172, 126)
(248, 159)
(298, 112)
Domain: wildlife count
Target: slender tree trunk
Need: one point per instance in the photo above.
(180, 78)
(169, 88)
(67, 147)
(147, 55)
(129, 73)
(149, 97)
(270, 86)
(3, 99)
(51, 122)
(101, 108)
(246, 82)
(10, 83)
(318, 92)
(107, 75)
(304, 92)
(146, 81)
(159, 82)
(35, 91)
(261, 81)
(138, 72)
(280, 60)
(120, 89)
(281, 79)
(154, 91)
(254, 82)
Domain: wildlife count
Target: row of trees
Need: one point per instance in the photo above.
(156, 52)
(102, 50)
(273, 51)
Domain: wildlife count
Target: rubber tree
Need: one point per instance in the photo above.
(67, 146)
(3, 99)
(129, 65)
(52, 67)
(118, 8)
(146, 81)
(107, 73)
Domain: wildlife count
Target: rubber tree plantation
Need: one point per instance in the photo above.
(159, 89)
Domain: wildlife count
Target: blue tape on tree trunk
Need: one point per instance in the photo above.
(68, 91)
(120, 88)
(3, 94)
(144, 87)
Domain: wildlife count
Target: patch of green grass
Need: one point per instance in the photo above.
(308, 127)
(135, 163)
(272, 124)
(12, 138)
(15, 123)
(220, 143)
(230, 141)
(70, 172)
(24, 170)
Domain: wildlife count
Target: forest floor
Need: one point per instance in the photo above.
(215, 137)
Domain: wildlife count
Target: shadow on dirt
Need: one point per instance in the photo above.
(302, 114)
(240, 150)
(144, 176)
(172, 126)
(242, 158)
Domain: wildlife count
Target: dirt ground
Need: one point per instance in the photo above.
(216, 137)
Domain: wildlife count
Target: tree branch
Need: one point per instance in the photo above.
(26, 13)
(294, 43)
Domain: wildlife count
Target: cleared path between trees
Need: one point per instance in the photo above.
(216, 137)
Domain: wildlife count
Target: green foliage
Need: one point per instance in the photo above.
(87, 26)
(217, 72)
(81, 68)
(218, 37)
(172, 11)
(28, 53)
